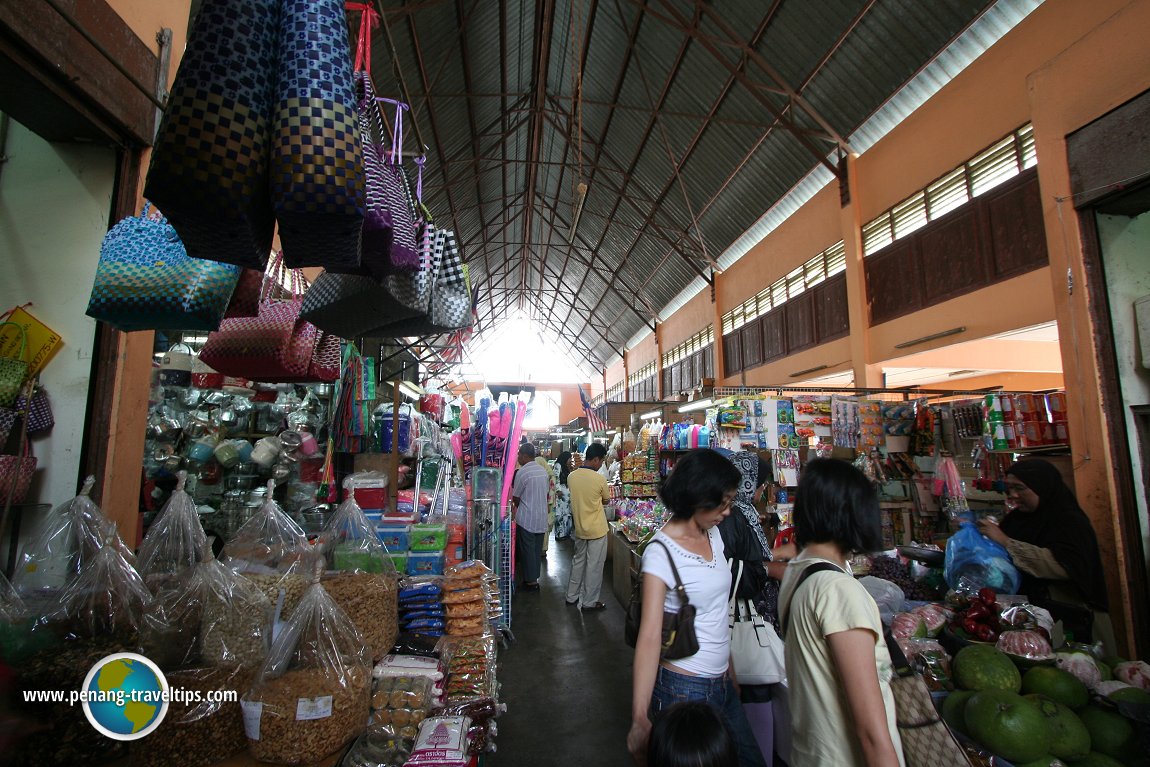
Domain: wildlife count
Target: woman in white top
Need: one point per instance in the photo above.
(838, 667)
(698, 493)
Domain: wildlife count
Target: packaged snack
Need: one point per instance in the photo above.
(442, 742)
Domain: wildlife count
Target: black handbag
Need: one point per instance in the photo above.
(679, 640)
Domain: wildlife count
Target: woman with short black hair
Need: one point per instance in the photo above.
(838, 667)
(698, 493)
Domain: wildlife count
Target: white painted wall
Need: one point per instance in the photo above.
(1126, 258)
(54, 205)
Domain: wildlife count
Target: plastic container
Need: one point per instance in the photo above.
(399, 559)
(395, 537)
(428, 537)
(456, 532)
(371, 496)
(425, 563)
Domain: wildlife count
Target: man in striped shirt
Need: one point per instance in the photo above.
(529, 512)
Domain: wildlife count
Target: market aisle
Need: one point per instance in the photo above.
(566, 679)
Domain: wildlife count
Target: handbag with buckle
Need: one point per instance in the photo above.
(678, 638)
(756, 650)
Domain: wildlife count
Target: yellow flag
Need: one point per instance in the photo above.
(42, 341)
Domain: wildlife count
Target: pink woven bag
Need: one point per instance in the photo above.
(275, 345)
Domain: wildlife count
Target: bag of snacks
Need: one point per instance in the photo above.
(269, 550)
(313, 693)
(100, 613)
(442, 742)
(71, 535)
(401, 701)
(470, 665)
(197, 733)
(174, 541)
(380, 746)
(361, 577)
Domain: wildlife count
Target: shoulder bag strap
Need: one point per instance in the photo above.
(810, 570)
(679, 589)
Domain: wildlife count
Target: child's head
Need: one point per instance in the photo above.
(836, 503)
(691, 734)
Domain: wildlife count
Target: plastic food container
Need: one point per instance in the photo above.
(428, 537)
(399, 559)
(425, 563)
(394, 537)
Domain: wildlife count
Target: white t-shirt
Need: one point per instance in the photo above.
(828, 603)
(708, 584)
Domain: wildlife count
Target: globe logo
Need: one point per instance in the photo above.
(125, 696)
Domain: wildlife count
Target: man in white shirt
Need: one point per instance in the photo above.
(529, 512)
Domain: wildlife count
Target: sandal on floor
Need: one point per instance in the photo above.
(596, 606)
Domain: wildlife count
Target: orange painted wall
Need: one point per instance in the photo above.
(811, 230)
(695, 315)
(615, 374)
(644, 353)
(1066, 94)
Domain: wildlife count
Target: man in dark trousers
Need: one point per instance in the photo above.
(529, 511)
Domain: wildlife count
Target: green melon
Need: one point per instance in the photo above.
(1056, 684)
(1069, 738)
(981, 667)
(1133, 695)
(954, 709)
(1008, 725)
(1110, 733)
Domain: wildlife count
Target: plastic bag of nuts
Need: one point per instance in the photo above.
(369, 600)
(270, 541)
(237, 618)
(200, 733)
(175, 541)
(313, 694)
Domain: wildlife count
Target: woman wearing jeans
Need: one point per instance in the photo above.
(698, 493)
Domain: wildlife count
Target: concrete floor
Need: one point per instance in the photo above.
(566, 679)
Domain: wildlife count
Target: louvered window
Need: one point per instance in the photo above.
(836, 259)
(994, 165)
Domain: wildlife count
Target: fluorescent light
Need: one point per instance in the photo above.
(932, 337)
(580, 198)
(699, 404)
(652, 414)
(414, 391)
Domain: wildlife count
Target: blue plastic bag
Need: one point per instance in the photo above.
(973, 561)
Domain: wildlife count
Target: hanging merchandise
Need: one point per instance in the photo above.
(274, 346)
(16, 470)
(145, 280)
(449, 297)
(13, 368)
(38, 412)
(38, 341)
(209, 168)
(245, 301)
(845, 421)
(316, 159)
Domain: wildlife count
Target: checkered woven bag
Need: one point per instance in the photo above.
(209, 168)
(274, 346)
(13, 370)
(449, 302)
(317, 166)
(145, 280)
(39, 411)
(349, 305)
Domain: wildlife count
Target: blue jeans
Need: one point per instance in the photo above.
(719, 693)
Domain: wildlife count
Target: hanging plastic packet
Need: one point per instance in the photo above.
(71, 535)
(313, 693)
(173, 543)
(269, 549)
(361, 578)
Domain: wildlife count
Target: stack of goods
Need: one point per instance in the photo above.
(640, 476)
(404, 689)
(420, 607)
(640, 519)
(313, 694)
(402, 702)
(467, 589)
(813, 421)
(428, 542)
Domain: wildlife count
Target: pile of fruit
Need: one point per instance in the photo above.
(1044, 716)
(891, 569)
(981, 621)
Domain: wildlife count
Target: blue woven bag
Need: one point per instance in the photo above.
(146, 281)
(209, 168)
(316, 163)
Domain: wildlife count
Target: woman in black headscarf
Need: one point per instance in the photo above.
(564, 523)
(1053, 545)
(744, 540)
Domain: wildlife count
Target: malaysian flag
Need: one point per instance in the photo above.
(595, 421)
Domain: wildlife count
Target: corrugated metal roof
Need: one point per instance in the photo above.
(682, 132)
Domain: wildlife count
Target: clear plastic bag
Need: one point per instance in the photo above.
(271, 551)
(17, 639)
(173, 543)
(71, 535)
(361, 577)
(313, 693)
(107, 599)
(887, 595)
(973, 562)
(237, 618)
